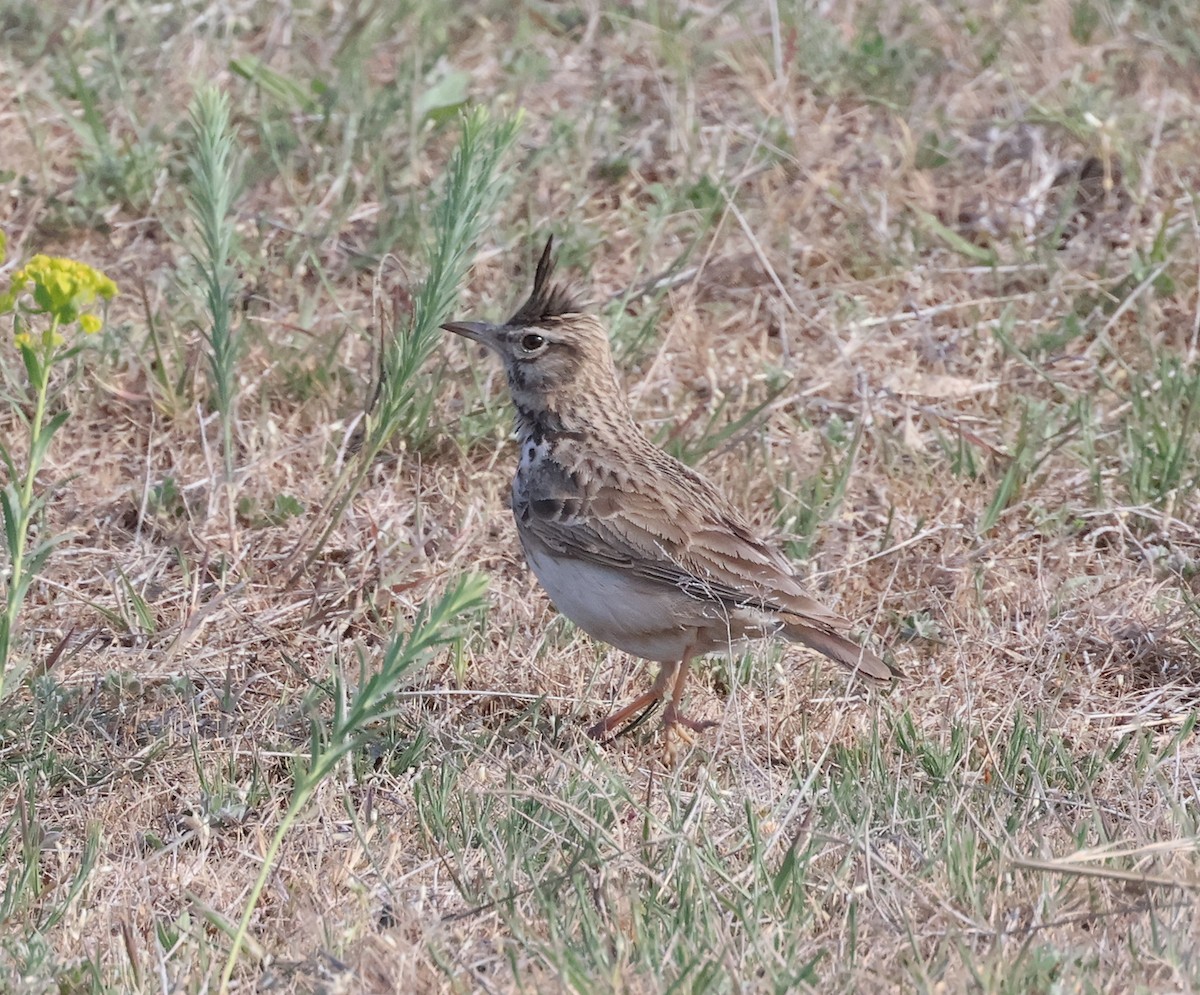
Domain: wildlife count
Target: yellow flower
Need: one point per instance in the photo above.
(90, 323)
(61, 288)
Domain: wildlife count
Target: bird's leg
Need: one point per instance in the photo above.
(602, 728)
(673, 721)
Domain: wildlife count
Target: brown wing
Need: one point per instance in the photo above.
(685, 535)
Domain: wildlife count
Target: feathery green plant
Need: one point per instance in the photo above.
(211, 190)
(355, 712)
(472, 188)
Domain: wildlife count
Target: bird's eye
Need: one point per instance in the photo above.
(532, 342)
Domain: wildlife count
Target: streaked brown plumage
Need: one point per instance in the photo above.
(639, 550)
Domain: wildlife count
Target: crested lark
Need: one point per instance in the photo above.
(634, 547)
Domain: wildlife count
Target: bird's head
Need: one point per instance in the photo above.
(556, 357)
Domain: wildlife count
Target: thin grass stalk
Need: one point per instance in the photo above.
(354, 715)
(212, 190)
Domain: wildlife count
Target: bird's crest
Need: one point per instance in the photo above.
(548, 300)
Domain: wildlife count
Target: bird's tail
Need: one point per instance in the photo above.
(839, 648)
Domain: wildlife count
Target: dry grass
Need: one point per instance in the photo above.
(969, 230)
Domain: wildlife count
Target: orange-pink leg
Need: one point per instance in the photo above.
(602, 728)
(673, 720)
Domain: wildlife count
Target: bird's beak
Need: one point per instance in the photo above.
(479, 331)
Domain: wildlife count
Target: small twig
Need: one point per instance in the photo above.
(1111, 873)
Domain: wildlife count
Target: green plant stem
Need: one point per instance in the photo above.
(323, 762)
(300, 798)
(354, 714)
(321, 765)
(16, 580)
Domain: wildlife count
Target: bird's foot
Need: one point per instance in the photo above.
(677, 727)
(672, 717)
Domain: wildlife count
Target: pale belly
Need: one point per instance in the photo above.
(648, 620)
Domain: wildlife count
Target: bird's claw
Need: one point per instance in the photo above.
(681, 728)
